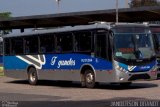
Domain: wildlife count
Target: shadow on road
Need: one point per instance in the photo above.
(68, 84)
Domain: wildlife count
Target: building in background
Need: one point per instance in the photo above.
(139, 3)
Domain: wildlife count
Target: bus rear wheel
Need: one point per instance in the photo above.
(89, 78)
(32, 76)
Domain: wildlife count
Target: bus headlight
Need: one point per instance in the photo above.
(121, 78)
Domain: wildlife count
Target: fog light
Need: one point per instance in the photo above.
(121, 78)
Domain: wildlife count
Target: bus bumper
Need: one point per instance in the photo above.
(158, 72)
(129, 76)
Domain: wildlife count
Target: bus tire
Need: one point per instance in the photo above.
(126, 84)
(32, 76)
(89, 78)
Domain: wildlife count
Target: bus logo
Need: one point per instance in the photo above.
(53, 61)
(131, 68)
(61, 63)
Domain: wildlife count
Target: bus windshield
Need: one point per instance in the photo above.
(133, 46)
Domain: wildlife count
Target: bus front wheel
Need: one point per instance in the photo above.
(89, 77)
(32, 76)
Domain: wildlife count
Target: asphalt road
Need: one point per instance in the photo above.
(18, 93)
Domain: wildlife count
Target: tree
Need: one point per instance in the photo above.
(4, 15)
(139, 3)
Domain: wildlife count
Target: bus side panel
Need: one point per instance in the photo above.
(74, 75)
(60, 66)
(68, 66)
(74, 62)
(12, 63)
(68, 75)
(20, 74)
(106, 76)
(14, 67)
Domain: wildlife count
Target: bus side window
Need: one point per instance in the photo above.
(42, 49)
(58, 44)
(47, 43)
(7, 46)
(17, 46)
(31, 45)
(27, 50)
(64, 42)
(101, 45)
(83, 41)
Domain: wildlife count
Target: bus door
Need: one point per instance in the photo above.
(101, 45)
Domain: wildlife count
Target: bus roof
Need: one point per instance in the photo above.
(129, 25)
(97, 25)
(60, 29)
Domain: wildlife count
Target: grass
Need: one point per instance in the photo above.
(1, 72)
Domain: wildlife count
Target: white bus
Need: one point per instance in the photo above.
(118, 53)
(155, 29)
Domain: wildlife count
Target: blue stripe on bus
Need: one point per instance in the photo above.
(70, 61)
(60, 61)
(12, 62)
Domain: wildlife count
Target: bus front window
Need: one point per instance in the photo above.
(133, 46)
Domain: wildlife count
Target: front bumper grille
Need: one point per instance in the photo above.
(138, 71)
(139, 76)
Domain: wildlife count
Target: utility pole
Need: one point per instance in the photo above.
(116, 11)
(127, 4)
(58, 5)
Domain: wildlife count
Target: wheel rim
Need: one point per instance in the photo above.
(33, 76)
(89, 78)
